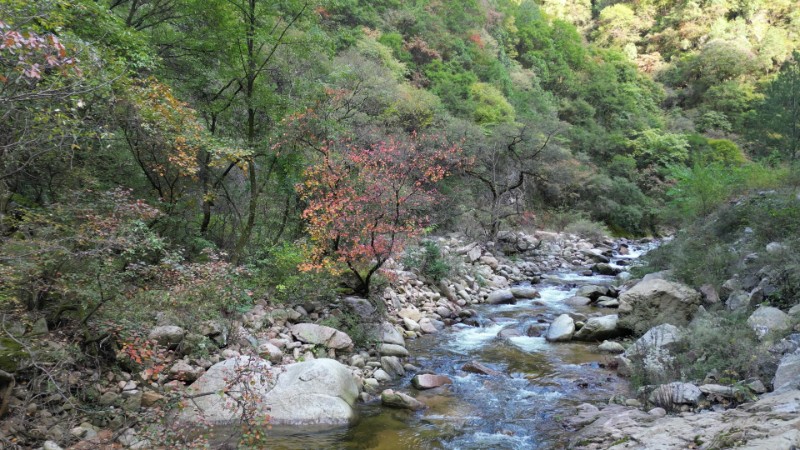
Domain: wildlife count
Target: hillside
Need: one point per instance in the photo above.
(173, 162)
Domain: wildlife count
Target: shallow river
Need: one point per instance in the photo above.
(541, 383)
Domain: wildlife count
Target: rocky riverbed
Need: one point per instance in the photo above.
(514, 349)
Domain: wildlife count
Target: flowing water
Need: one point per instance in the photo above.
(523, 408)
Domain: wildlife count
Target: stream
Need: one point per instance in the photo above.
(541, 382)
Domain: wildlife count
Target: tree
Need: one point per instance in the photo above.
(504, 162)
(777, 119)
(365, 202)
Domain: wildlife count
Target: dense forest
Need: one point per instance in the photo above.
(194, 156)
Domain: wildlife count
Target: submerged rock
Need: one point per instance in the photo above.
(400, 400)
(430, 381)
(476, 367)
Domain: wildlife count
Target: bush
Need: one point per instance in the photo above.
(278, 272)
(717, 343)
(428, 261)
(588, 229)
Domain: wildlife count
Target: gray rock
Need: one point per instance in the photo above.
(710, 295)
(392, 350)
(578, 301)
(561, 329)
(606, 269)
(766, 320)
(474, 254)
(400, 400)
(430, 326)
(787, 377)
(737, 300)
(390, 335)
(50, 445)
(653, 302)
(592, 291)
(600, 328)
(652, 351)
(608, 302)
(611, 347)
(392, 366)
(168, 335)
(596, 255)
(775, 247)
(319, 334)
(479, 368)
(184, 371)
(382, 376)
(321, 392)
(525, 292)
(501, 297)
(270, 352)
(411, 325)
(410, 313)
(509, 332)
(361, 307)
(718, 390)
(444, 312)
(671, 395)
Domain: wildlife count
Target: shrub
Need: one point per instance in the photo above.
(588, 229)
(428, 261)
(720, 344)
(277, 270)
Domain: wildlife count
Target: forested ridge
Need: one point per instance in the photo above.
(193, 157)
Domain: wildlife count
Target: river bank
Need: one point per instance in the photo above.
(517, 347)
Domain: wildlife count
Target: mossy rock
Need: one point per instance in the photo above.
(11, 355)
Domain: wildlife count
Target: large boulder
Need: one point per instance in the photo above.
(787, 377)
(653, 302)
(311, 333)
(561, 329)
(600, 328)
(766, 320)
(321, 392)
(501, 297)
(652, 353)
(361, 307)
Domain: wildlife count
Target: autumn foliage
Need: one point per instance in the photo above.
(365, 202)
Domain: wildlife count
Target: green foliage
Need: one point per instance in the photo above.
(491, 107)
(718, 343)
(361, 333)
(277, 270)
(776, 123)
(661, 149)
(428, 261)
(588, 229)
